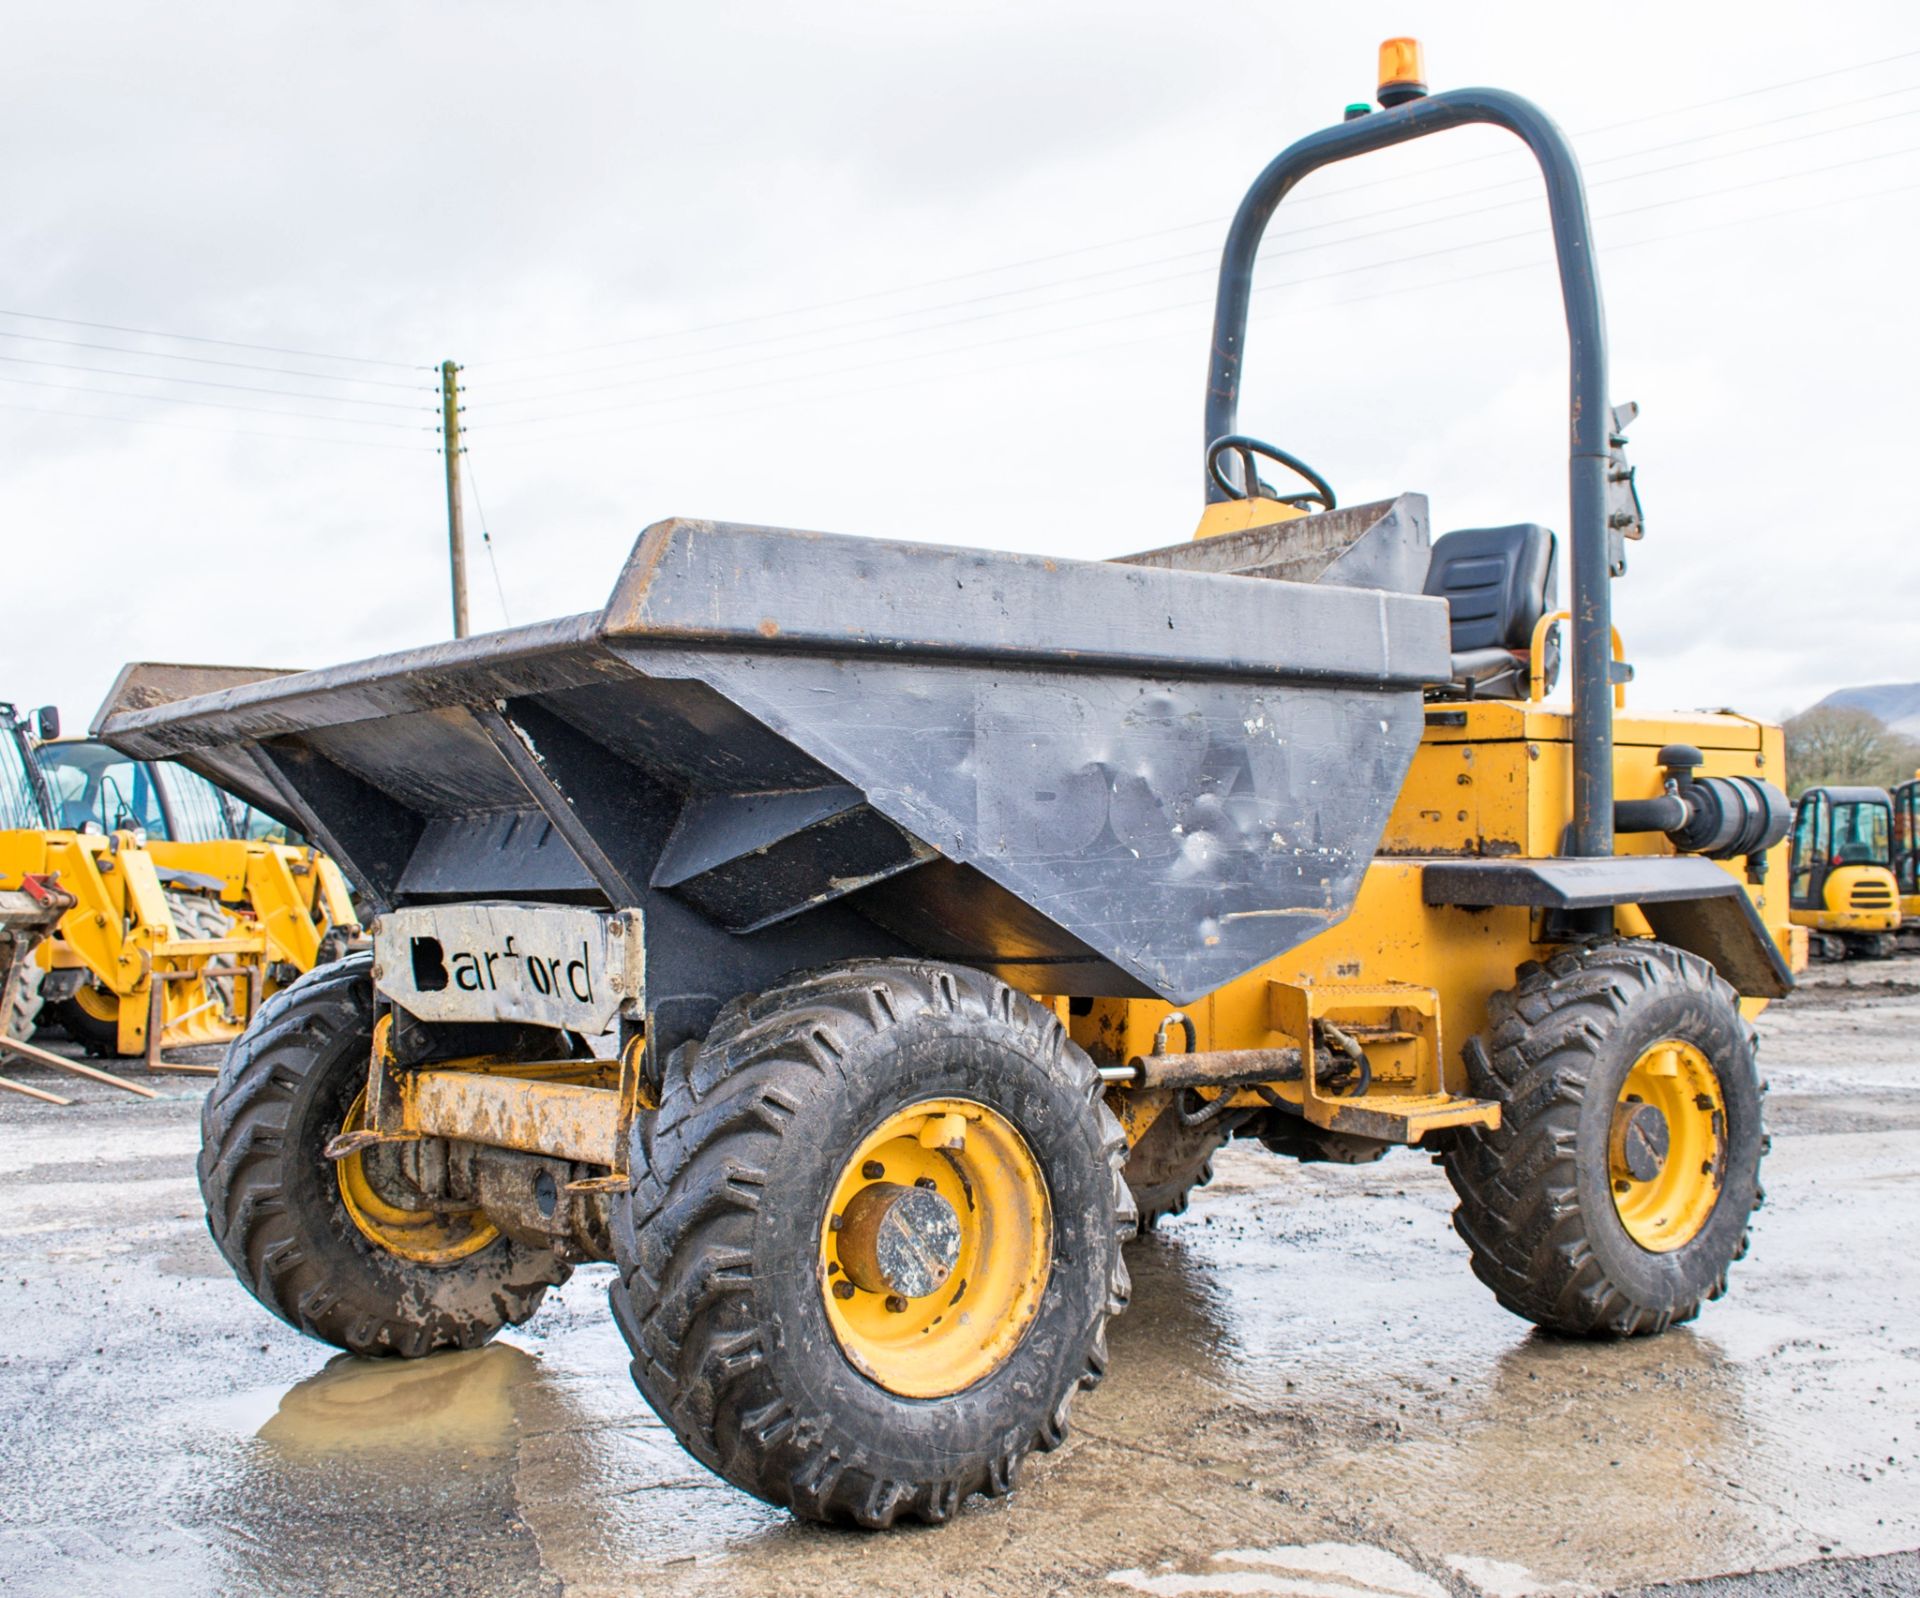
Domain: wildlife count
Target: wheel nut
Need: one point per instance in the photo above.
(843, 1289)
(896, 1303)
(873, 1170)
(925, 1181)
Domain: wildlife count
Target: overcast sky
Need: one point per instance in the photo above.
(933, 271)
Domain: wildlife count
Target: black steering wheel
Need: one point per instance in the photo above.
(1247, 449)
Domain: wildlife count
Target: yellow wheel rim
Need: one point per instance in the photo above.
(1667, 1146)
(97, 1002)
(964, 1208)
(426, 1237)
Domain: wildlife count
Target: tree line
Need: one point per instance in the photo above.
(1833, 745)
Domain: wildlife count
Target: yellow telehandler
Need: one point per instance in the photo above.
(226, 869)
(851, 938)
(94, 903)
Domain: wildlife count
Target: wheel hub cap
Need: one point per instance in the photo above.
(1643, 1142)
(902, 1240)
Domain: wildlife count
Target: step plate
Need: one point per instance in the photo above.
(1395, 1118)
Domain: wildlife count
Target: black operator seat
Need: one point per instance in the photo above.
(1498, 582)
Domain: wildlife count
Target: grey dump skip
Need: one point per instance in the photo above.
(790, 749)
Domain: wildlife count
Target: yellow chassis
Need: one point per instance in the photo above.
(1412, 980)
(1405, 981)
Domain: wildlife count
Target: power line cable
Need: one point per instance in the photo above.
(221, 405)
(194, 427)
(873, 294)
(1212, 251)
(1395, 229)
(1451, 249)
(207, 382)
(868, 296)
(225, 343)
(1107, 346)
(486, 539)
(204, 360)
(1258, 318)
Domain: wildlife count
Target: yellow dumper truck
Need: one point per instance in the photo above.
(851, 938)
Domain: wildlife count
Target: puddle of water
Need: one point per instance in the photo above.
(363, 1470)
(606, 1487)
(446, 1404)
(375, 1410)
(241, 1413)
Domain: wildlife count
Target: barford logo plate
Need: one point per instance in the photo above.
(554, 967)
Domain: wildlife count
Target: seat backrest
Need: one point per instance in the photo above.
(1497, 582)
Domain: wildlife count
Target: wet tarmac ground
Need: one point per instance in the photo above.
(1311, 1397)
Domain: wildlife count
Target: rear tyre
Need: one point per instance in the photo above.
(1615, 1194)
(196, 915)
(91, 1017)
(930, 1105)
(1171, 1162)
(330, 1246)
(20, 1003)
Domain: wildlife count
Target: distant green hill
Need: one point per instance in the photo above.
(1896, 703)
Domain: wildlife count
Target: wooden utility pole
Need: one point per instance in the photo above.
(456, 524)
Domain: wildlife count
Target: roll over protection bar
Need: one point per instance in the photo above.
(1589, 412)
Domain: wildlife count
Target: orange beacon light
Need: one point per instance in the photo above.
(1403, 72)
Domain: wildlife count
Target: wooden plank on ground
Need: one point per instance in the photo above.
(12, 1086)
(60, 1062)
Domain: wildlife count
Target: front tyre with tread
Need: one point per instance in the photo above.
(722, 1294)
(1545, 1203)
(274, 1202)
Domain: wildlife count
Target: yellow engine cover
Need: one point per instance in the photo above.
(1856, 899)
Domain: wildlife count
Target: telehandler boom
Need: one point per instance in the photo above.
(856, 941)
